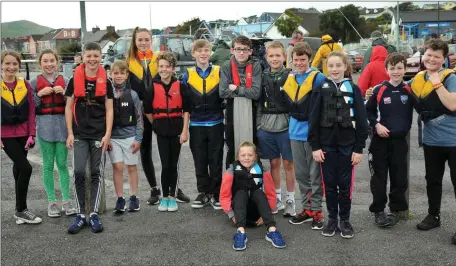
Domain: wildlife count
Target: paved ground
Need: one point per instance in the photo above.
(204, 237)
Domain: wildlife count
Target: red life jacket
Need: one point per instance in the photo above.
(79, 82)
(167, 105)
(248, 74)
(51, 104)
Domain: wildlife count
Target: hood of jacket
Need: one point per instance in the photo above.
(379, 41)
(379, 53)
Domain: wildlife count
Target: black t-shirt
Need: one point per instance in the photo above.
(89, 117)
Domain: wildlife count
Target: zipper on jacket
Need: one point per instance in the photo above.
(204, 94)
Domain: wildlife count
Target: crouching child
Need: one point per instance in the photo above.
(247, 195)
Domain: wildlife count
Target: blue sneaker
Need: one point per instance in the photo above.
(120, 205)
(163, 207)
(95, 223)
(240, 241)
(78, 224)
(134, 204)
(276, 239)
(172, 205)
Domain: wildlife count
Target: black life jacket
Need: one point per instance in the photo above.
(243, 179)
(270, 94)
(124, 109)
(15, 104)
(337, 104)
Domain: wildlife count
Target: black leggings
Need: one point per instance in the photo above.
(248, 208)
(22, 170)
(146, 153)
(169, 150)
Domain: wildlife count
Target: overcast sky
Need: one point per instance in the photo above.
(124, 15)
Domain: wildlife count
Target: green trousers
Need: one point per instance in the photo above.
(59, 151)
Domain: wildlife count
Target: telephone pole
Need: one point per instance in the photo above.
(83, 22)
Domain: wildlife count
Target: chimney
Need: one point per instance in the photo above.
(95, 29)
(111, 29)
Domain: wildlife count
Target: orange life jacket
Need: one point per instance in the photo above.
(167, 105)
(79, 82)
(53, 103)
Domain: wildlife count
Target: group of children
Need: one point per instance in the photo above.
(294, 115)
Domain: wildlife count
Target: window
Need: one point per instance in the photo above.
(121, 46)
(180, 45)
(155, 43)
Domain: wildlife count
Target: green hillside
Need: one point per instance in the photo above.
(22, 28)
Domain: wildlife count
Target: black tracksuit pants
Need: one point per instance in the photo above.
(389, 154)
(146, 153)
(82, 151)
(22, 170)
(249, 207)
(434, 159)
(169, 150)
(206, 144)
(338, 176)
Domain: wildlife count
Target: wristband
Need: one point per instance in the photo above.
(436, 86)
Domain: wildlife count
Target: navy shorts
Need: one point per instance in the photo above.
(274, 145)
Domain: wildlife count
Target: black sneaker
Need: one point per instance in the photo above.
(318, 221)
(346, 229)
(120, 205)
(381, 220)
(154, 196)
(201, 200)
(215, 202)
(393, 219)
(330, 228)
(453, 240)
(304, 216)
(134, 204)
(429, 223)
(181, 197)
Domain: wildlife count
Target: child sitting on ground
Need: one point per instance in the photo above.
(247, 193)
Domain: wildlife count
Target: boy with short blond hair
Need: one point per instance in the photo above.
(272, 122)
(206, 124)
(297, 92)
(240, 84)
(126, 137)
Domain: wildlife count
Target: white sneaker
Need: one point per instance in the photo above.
(53, 210)
(68, 208)
(279, 207)
(290, 209)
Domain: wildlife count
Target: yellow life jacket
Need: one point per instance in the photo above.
(197, 82)
(15, 106)
(422, 87)
(292, 89)
(136, 68)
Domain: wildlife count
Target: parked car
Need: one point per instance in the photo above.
(356, 60)
(180, 45)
